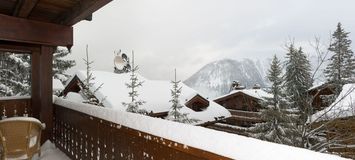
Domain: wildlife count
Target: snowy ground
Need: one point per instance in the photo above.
(50, 152)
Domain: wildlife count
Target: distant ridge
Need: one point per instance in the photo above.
(215, 78)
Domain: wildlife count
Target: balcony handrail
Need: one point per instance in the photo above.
(14, 98)
(219, 144)
(107, 118)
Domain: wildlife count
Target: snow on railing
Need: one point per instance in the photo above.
(198, 138)
(15, 97)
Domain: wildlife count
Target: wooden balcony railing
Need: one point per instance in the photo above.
(15, 106)
(239, 116)
(244, 113)
(82, 136)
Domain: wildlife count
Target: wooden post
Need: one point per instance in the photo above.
(35, 83)
(46, 113)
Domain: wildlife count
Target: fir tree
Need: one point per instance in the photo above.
(297, 81)
(174, 113)
(88, 84)
(341, 68)
(276, 126)
(60, 65)
(15, 74)
(133, 106)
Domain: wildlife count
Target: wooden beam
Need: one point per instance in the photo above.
(81, 11)
(35, 83)
(28, 31)
(46, 112)
(18, 47)
(24, 8)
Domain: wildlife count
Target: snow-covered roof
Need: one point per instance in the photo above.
(57, 85)
(343, 106)
(156, 94)
(256, 93)
(222, 143)
(317, 86)
(321, 85)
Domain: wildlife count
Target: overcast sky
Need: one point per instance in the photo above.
(187, 34)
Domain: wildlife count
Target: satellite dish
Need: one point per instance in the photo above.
(124, 57)
(119, 62)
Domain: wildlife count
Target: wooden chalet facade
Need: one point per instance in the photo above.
(239, 101)
(337, 121)
(340, 133)
(244, 105)
(321, 95)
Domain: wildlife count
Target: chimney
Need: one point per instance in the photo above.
(237, 86)
(256, 86)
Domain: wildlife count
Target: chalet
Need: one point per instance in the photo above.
(83, 131)
(244, 105)
(338, 120)
(243, 99)
(155, 93)
(322, 95)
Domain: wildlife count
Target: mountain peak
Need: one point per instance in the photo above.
(215, 78)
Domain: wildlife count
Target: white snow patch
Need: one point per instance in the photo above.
(50, 152)
(15, 97)
(57, 85)
(317, 85)
(222, 143)
(75, 97)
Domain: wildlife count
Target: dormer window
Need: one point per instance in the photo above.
(197, 103)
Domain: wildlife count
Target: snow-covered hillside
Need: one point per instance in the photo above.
(215, 79)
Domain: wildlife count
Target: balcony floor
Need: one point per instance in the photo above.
(50, 152)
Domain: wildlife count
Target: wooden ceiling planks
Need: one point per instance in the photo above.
(24, 7)
(81, 11)
(64, 12)
(7, 6)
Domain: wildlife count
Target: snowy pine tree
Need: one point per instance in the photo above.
(276, 125)
(133, 106)
(175, 113)
(341, 68)
(297, 82)
(89, 83)
(15, 74)
(60, 65)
